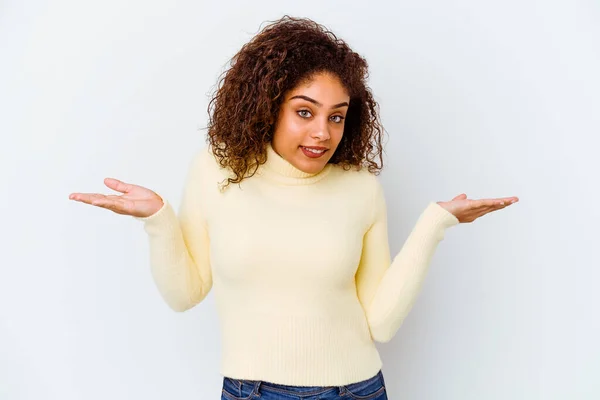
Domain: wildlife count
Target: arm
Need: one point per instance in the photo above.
(387, 292)
(179, 245)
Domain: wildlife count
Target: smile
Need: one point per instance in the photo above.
(312, 153)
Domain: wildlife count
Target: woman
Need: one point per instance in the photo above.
(297, 250)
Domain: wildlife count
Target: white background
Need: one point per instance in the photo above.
(488, 98)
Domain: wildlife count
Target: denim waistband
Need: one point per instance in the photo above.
(255, 386)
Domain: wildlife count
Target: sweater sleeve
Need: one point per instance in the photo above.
(179, 243)
(387, 290)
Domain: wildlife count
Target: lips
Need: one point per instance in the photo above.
(311, 154)
(314, 147)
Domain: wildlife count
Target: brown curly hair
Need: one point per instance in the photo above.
(286, 53)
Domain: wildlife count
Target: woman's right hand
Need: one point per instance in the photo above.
(136, 201)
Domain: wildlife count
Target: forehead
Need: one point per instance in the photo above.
(324, 87)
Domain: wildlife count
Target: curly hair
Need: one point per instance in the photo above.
(286, 53)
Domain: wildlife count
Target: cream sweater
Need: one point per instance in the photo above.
(299, 265)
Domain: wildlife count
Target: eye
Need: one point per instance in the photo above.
(338, 121)
(301, 111)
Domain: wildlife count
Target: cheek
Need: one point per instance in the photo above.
(296, 130)
(297, 124)
(338, 135)
(289, 128)
(290, 122)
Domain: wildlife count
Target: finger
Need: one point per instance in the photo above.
(86, 197)
(494, 207)
(460, 197)
(506, 201)
(481, 203)
(493, 202)
(117, 185)
(113, 204)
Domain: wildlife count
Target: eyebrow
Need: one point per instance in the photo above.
(317, 103)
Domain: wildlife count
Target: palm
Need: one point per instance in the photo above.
(468, 210)
(136, 200)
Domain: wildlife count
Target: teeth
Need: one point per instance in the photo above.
(314, 151)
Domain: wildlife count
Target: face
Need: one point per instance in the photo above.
(310, 124)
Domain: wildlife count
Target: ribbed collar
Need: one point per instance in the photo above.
(278, 168)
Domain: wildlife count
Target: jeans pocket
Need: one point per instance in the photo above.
(236, 389)
(369, 389)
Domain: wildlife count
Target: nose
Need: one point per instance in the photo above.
(321, 132)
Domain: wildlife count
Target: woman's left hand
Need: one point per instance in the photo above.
(468, 210)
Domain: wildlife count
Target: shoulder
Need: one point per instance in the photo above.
(363, 186)
(363, 191)
(205, 169)
(360, 179)
(205, 159)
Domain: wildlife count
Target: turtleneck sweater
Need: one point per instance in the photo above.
(299, 264)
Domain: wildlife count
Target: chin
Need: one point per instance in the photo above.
(312, 171)
(313, 168)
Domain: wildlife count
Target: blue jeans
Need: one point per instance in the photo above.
(240, 389)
